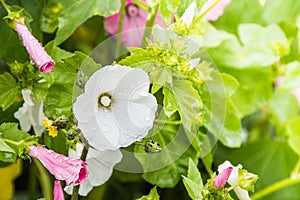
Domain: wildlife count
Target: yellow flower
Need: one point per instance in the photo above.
(48, 125)
(52, 131)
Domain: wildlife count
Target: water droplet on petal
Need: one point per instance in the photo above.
(147, 119)
(105, 128)
(106, 110)
(127, 136)
(66, 158)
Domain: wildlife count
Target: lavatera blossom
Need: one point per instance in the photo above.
(73, 171)
(134, 22)
(100, 167)
(30, 114)
(116, 108)
(38, 54)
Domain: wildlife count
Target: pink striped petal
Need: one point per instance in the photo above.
(35, 49)
(58, 193)
(222, 178)
(73, 171)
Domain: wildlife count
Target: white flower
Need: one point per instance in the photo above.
(116, 108)
(189, 14)
(233, 180)
(30, 114)
(99, 164)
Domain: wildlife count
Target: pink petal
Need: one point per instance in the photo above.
(222, 178)
(35, 49)
(133, 27)
(58, 193)
(216, 11)
(73, 171)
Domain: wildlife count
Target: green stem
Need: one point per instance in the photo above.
(274, 187)
(150, 23)
(120, 25)
(142, 5)
(76, 188)
(44, 179)
(11, 142)
(206, 11)
(168, 122)
(5, 6)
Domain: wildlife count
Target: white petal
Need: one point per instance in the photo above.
(35, 117)
(84, 189)
(241, 193)
(105, 79)
(22, 116)
(27, 96)
(189, 14)
(134, 108)
(83, 108)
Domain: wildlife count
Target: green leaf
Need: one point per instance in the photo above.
(165, 168)
(194, 174)
(10, 131)
(283, 107)
(8, 90)
(222, 117)
(193, 189)
(159, 77)
(57, 53)
(271, 160)
(256, 86)
(51, 13)
(293, 132)
(79, 12)
(291, 76)
(7, 154)
(182, 97)
(153, 195)
(62, 93)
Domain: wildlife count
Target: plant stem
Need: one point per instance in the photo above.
(76, 188)
(274, 187)
(149, 24)
(206, 11)
(120, 25)
(5, 6)
(11, 142)
(142, 5)
(44, 179)
(168, 122)
(295, 171)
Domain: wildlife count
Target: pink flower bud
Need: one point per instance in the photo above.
(58, 193)
(222, 178)
(35, 49)
(73, 171)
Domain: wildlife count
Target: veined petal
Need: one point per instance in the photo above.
(73, 171)
(58, 193)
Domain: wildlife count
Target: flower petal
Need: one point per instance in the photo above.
(58, 193)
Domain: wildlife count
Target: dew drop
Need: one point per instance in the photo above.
(59, 177)
(60, 160)
(127, 136)
(66, 158)
(39, 62)
(147, 119)
(106, 110)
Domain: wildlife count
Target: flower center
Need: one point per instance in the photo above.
(132, 10)
(104, 100)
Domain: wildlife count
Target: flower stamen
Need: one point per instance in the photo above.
(104, 100)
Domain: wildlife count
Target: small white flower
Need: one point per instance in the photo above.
(100, 167)
(116, 108)
(30, 114)
(233, 180)
(189, 14)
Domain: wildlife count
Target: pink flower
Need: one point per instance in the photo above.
(58, 193)
(134, 23)
(216, 11)
(73, 171)
(35, 49)
(221, 179)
